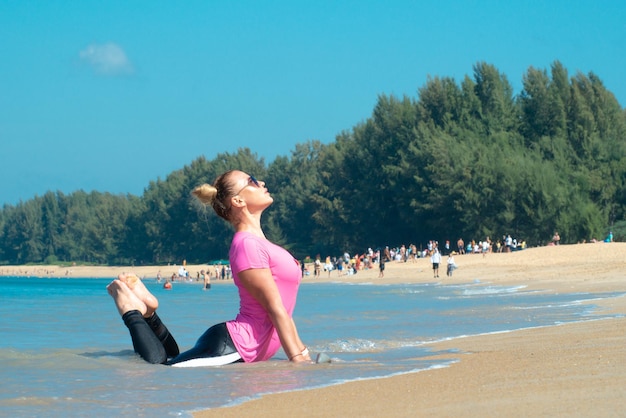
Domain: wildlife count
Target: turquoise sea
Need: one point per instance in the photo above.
(65, 352)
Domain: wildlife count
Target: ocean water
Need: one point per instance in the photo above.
(65, 352)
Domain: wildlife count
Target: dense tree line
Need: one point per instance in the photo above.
(465, 159)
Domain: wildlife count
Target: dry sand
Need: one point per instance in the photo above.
(569, 370)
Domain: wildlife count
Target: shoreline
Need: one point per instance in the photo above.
(545, 371)
(574, 369)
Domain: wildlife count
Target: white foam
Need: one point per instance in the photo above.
(492, 290)
(209, 361)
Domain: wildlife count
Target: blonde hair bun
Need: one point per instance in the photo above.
(205, 193)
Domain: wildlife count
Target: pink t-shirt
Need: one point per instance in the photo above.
(252, 330)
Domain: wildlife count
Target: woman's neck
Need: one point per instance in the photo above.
(255, 231)
(250, 224)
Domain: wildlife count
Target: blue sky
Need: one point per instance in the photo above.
(109, 95)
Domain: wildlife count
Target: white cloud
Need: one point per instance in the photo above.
(107, 59)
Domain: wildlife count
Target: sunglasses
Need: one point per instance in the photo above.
(251, 180)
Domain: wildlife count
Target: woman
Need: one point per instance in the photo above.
(266, 275)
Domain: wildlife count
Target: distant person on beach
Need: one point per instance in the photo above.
(340, 266)
(460, 245)
(508, 243)
(328, 265)
(318, 267)
(451, 264)
(486, 246)
(381, 266)
(266, 275)
(435, 259)
(206, 278)
(556, 238)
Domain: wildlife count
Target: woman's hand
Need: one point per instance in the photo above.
(301, 357)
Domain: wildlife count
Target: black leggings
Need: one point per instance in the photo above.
(154, 343)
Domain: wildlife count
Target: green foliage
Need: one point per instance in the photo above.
(463, 160)
(172, 226)
(619, 231)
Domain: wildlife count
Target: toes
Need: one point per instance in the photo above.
(129, 278)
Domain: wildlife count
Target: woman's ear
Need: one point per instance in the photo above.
(237, 201)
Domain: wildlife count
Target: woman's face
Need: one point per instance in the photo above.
(251, 191)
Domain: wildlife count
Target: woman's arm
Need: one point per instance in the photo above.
(260, 284)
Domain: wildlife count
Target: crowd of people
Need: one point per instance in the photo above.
(216, 272)
(347, 265)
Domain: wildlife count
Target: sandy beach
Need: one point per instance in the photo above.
(568, 370)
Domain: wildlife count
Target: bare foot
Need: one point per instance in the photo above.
(125, 299)
(139, 289)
